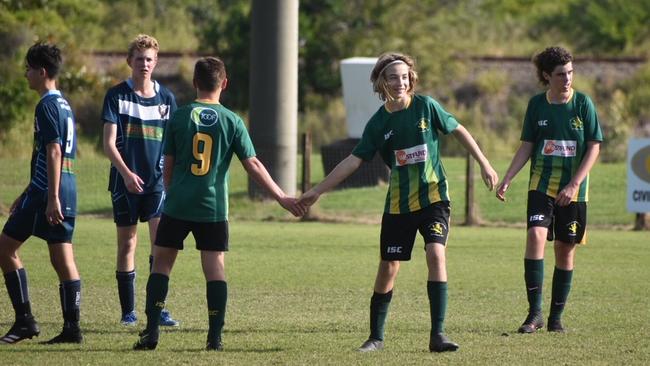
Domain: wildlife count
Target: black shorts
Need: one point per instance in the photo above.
(398, 230)
(129, 207)
(210, 236)
(566, 224)
(29, 219)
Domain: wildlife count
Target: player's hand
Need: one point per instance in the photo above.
(564, 197)
(291, 204)
(309, 198)
(501, 190)
(490, 176)
(133, 183)
(53, 213)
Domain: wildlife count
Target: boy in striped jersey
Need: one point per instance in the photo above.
(405, 132)
(561, 136)
(48, 206)
(135, 113)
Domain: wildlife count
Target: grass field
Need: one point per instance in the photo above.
(299, 294)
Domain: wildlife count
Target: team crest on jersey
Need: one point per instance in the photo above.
(564, 148)
(437, 229)
(163, 109)
(412, 155)
(576, 123)
(423, 125)
(573, 228)
(204, 116)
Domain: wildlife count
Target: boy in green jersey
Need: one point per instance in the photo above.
(200, 141)
(405, 132)
(561, 136)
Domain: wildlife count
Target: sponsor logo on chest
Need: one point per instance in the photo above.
(564, 148)
(412, 155)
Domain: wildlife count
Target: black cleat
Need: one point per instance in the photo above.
(68, 335)
(555, 326)
(440, 343)
(148, 341)
(22, 329)
(533, 322)
(214, 344)
(371, 345)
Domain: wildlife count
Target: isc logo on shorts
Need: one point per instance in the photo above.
(394, 249)
(534, 218)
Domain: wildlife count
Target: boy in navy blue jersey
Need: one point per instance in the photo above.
(47, 207)
(135, 113)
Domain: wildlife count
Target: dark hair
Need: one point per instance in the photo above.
(209, 72)
(547, 60)
(378, 75)
(47, 56)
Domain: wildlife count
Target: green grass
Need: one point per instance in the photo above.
(607, 205)
(299, 294)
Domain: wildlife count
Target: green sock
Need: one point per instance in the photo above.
(217, 293)
(379, 304)
(534, 276)
(561, 287)
(157, 286)
(437, 292)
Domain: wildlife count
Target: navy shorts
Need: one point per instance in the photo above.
(398, 230)
(129, 207)
(29, 219)
(566, 224)
(210, 236)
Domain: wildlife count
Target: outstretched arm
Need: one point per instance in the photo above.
(518, 161)
(343, 170)
(489, 175)
(567, 193)
(261, 176)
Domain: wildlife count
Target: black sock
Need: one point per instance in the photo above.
(126, 290)
(379, 304)
(70, 293)
(217, 294)
(157, 286)
(16, 282)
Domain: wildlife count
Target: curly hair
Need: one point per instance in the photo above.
(142, 42)
(378, 75)
(47, 56)
(547, 60)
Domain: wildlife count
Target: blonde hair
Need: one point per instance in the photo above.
(142, 42)
(378, 74)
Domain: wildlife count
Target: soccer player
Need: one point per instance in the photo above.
(561, 136)
(405, 131)
(200, 142)
(135, 113)
(47, 207)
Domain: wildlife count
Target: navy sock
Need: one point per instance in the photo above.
(16, 282)
(126, 290)
(217, 294)
(70, 293)
(157, 286)
(379, 304)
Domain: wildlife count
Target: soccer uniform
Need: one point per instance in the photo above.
(559, 133)
(140, 129)
(53, 123)
(202, 138)
(408, 143)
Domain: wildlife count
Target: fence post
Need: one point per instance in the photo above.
(471, 217)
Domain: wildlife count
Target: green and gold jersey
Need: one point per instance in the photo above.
(202, 139)
(560, 133)
(407, 141)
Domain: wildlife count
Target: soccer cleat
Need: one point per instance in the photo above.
(22, 329)
(533, 322)
(166, 319)
(555, 326)
(371, 345)
(68, 335)
(440, 343)
(148, 341)
(129, 319)
(214, 344)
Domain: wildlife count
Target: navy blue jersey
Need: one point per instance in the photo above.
(54, 123)
(140, 129)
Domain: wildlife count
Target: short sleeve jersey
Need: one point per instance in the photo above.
(560, 133)
(408, 142)
(202, 138)
(140, 128)
(54, 123)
